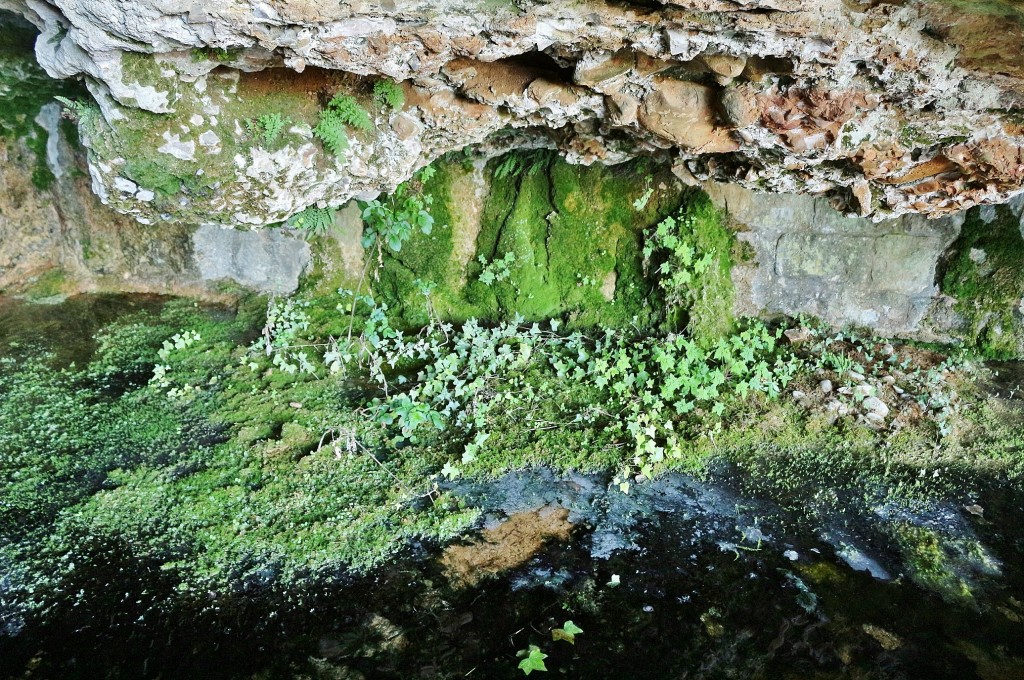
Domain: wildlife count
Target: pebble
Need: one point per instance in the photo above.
(863, 390)
(888, 350)
(857, 376)
(826, 386)
(791, 555)
(897, 389)
(876, 405)
(889, 380)
(798, 395)
(875, 419)
(975, 510)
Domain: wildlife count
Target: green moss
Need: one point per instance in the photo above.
(985, 275)
(939, 563)
(570, 236)
(184, 186)
(24, 90)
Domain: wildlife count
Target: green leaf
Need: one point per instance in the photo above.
(534, 661)
(568, 632)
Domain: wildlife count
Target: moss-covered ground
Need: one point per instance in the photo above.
(284, 444)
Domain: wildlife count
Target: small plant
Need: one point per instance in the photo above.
(567, 632)
(509, 167)
(281, 339)
(341, 112)
(330, 130)
(267, 128)
(497, 270)
(393, 221)
(313, 219)
(388, 94)
(77, 110)
(533, 660)
(688, 256)
(350, 112)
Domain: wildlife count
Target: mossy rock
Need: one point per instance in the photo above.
(985, 273)
(565, 241)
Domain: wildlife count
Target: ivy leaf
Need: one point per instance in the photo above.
(567, 632)
(534, 661)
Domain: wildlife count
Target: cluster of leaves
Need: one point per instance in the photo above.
(391, 222)
(497, 270)
(281, 338)
(162, 371)
(341, 112)
(267, 128)
(461, 380)
(388, 94)
(314, 219)
(533, 657)
(688, 256)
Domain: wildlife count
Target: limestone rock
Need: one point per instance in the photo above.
(883, 108)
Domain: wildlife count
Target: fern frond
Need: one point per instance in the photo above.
(330, 130)
(388, 94)
(350, 112)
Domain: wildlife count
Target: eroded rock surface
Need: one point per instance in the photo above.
(848, 271)
(885, 108)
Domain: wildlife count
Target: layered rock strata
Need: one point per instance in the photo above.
(885, 108)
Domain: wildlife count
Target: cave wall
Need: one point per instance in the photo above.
(884, 108)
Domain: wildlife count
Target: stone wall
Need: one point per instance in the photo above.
(847, 271)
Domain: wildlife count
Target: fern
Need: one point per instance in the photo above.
(388, 94)
(313, 219)
(267, 127)
(330, 130)
(349, 111)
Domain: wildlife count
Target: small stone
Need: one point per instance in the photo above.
(145, 195)
(863, 390)
(125, 185)
(725, 65)
(798, 395)
(875, 420)
(887, 350)
(975, 510)
(295, 404)
(826, 386)
(889, 380)
(845, 390)
(876, 405)
(898, 390)
(791, 555)
(857, 377)
(797, 336)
